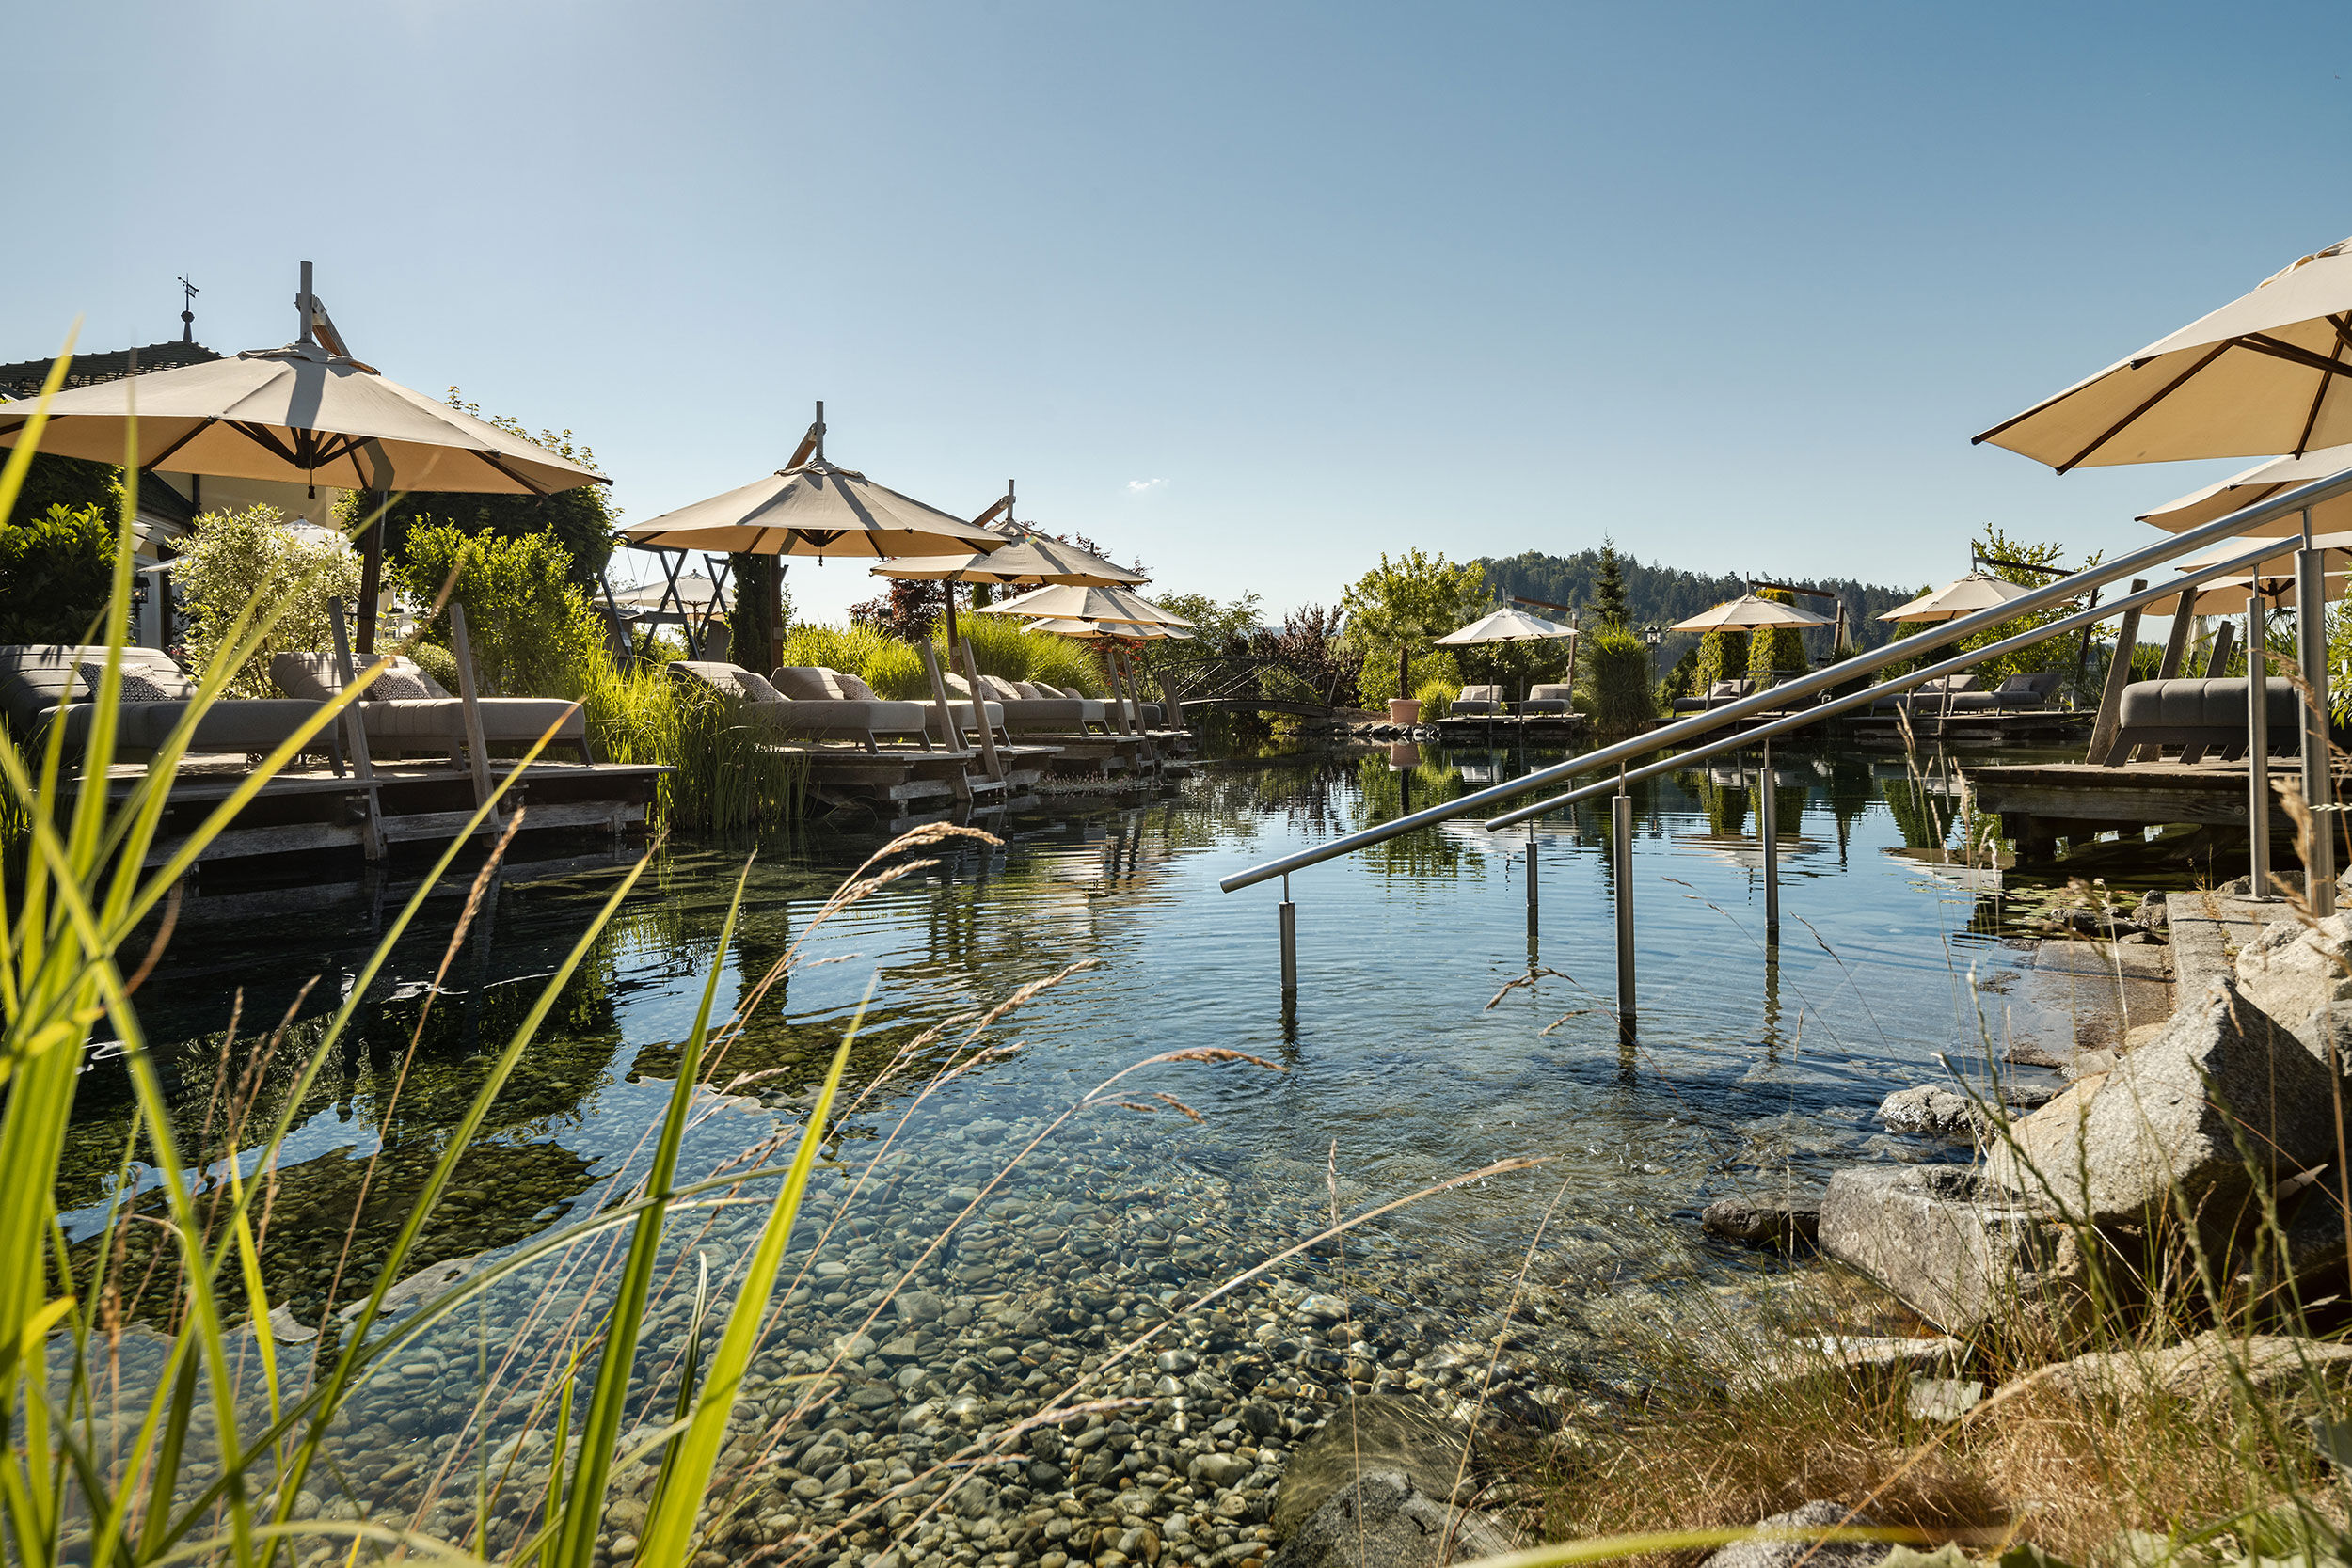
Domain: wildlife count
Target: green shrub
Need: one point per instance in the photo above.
(1437, 698)
(1613, 681)
(437, 663)
(1722, 657)
(531, 630)
(894, 671)
(1776, 653)
(56, 572)
(238, 559)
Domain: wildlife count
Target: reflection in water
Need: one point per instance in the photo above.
(1445, 1020)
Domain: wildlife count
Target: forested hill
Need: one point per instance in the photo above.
(1660, 596)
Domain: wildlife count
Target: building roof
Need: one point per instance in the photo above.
(23, 379)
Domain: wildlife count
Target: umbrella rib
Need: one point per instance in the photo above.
(496, 462)
(2262, 342)
(2173, 385)
(2319, 394)
(261, 436)
(201, 426)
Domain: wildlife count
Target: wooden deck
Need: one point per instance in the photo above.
(2040, 803)
(311, 812)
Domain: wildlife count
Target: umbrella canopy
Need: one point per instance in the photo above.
(2258, 485)
(1113, 605)
(300, 415)
(1033, 560)
(2228, 595)
(815, 509)
(1506, 626)
(1749, 611)
(1966, 596)
(693, 592)
(2270, 371)
(1124, 631)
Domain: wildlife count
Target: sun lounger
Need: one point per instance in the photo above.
(41, 682)
(2202, 715)
(1548, 698)
(406, 711)
(1032, 709)
(1717, 695)
(1477, 702)
(2017, 694)
(1927, 696)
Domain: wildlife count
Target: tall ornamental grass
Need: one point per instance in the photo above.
(1614, 685)
(727, 774)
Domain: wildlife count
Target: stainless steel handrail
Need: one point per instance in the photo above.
(1625, 752)
(1743, 739)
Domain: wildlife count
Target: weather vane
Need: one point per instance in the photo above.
(187, 312)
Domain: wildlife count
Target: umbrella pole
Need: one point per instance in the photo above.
(2310, 632)
(2258, 739)
(775, 582)
(372, 571)
(951, 611)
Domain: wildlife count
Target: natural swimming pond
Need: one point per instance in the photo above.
(1443, 1024)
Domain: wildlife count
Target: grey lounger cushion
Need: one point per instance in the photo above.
(1927, 695)
(407, 709)
(1717, 695)
(2206, 713)
(1013, 709)
(1477, 699)
(39, 682)
(1551, 697)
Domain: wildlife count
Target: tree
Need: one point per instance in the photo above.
(2055, 652)
(1609, 605)
(1616, 681)
(1775, 652)
(251, 557)
(1722, 657)
(1404, 605)
(71, 483)
(582, 519)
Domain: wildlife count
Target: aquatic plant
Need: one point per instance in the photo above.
(1437, 698)
(725, 774)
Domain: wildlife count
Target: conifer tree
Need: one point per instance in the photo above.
(1608, 600)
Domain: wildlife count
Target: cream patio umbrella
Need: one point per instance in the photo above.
(1963, 596)
(1031, 560)
(306, 414)
(2269, 373)
(1507, 625)
(2257, 485)
(1112, 605)
(1066, 626)
(2274, 580)
(1748, 612)
(811, 507)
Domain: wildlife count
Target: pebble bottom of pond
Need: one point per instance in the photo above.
(970, 1252)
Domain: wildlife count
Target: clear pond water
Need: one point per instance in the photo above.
(1445, 1022)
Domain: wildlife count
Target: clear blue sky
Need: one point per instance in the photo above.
(1252, 292)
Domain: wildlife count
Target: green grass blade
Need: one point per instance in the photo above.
(687, 1475)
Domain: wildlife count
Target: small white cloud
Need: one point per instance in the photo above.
(1144, 487)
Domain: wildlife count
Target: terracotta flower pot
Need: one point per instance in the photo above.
(1404, 710)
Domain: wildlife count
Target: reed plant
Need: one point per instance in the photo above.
(725, 774)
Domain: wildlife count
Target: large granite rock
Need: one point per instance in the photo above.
(2299, 974)
(1965, 1258)
(1769, 1222)
(1382, 1520)
(2175, 1121)
(2205, 1370)
(1808, 1520)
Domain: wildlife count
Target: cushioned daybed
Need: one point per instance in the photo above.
(2016, 695)
(1477, 702)
(812, 703)
(1717, 695)
(1927, 696)
(40, 681)
(1549, 698)
(2207, 715)
(404, 710)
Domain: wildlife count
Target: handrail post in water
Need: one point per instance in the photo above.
(1768, 805)
(2310, 632)
(1622, 813)
(2258, 739)
(1290, 943)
